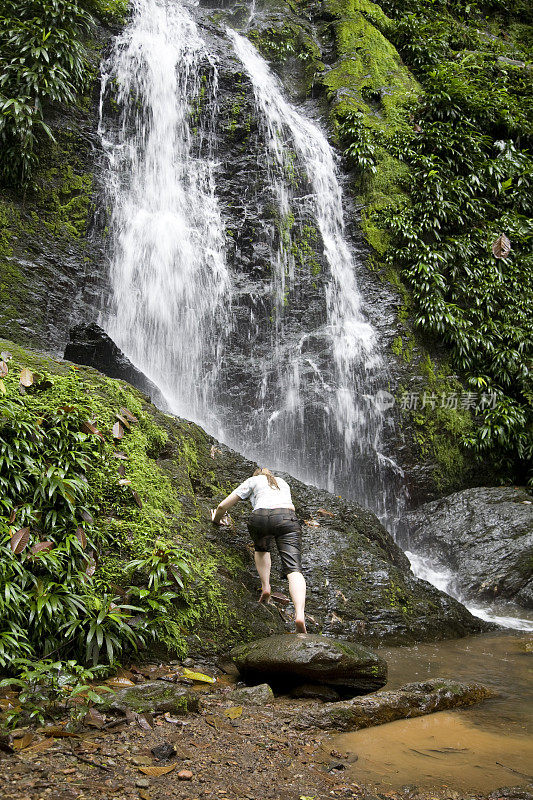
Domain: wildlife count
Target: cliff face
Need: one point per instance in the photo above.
(338, 60)
(155, 498)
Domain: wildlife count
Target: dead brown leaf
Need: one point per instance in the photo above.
(40, 547)
(127, 413)
(26, 377)
(118, 431)
(81, 537)
(23, 742)
(20, 540)
(155, 772)
(501, 247)
(4, 369)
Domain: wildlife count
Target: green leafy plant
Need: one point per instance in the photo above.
(467, 148)
(49, 687)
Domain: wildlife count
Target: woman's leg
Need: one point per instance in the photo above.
(263, 563)
(297, 593)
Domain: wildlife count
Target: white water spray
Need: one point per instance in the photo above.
(170, 282)
(355, 368)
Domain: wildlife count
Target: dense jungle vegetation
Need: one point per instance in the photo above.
(465, 143)
(469, 180)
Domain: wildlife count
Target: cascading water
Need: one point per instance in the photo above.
(291, 387)
(170, 283)
(346, 419)
(309, 406)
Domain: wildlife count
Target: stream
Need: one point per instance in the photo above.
(473, 749)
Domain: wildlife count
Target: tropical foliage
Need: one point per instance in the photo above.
(57, 472)
(43, 61)
(468, 149)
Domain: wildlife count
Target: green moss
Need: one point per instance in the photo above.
(438, 421)
(13, 293)
(290, 41)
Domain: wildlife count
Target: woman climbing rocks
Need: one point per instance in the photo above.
(273, 515)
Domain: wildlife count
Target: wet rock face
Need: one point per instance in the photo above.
(288, 660)
(359, 583)
(485, 536)
(412, 700)
(91, 346)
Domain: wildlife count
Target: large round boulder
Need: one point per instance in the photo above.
(288, 660)
(485, 536)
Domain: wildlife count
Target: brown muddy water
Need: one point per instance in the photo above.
(480, 748)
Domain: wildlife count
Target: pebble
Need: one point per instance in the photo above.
(184, 775)
(142, 783)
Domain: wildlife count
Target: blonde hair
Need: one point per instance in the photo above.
(272, 482)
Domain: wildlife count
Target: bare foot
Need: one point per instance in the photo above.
(265, 596)
(300, 626)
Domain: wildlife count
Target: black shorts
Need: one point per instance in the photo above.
(283, 525)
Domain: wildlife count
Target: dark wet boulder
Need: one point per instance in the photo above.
(91, 346)
(152, 697)
(412, 700)
(288, 660)
(485, 536)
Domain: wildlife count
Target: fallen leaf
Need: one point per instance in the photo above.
(44, 744)
(4, 369)
(67, 409)
(40, 547)
(127, 413)
(325, 512)
(13, 515)
(155, 772)
(119, 454)
(118, 431)
(144, 794)
(215, 450)
(26, 377)
(81, 537)
(312, 523)
(20, 540)
(121, 470)
(90, 569)
(86, 516)
(124, 482)
(24, 741)
(119, 682)
(89, 427)
(233, 712)
(5, 355)
(145, 721)
(280, 598)
(58, 733)
(123, 421)
(196, 676)
(137, 498)
(94, 719)
(3, 389)
(501, 247)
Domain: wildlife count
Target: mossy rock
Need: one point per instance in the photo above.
(153, 697)
(285, 661)
(412, 700)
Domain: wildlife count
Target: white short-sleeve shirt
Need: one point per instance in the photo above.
(264, 496)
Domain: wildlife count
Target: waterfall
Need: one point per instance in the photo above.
(171, 288)
(297, 392)
(284, 367)
(349, 386)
